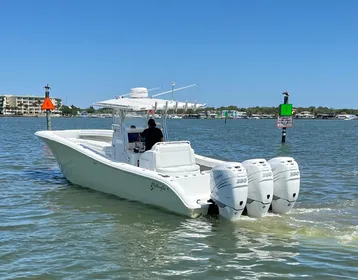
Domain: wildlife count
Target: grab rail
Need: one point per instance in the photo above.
(173, 142)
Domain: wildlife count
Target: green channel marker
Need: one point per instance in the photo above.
(286, 110)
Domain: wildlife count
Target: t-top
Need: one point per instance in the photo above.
(152, 135)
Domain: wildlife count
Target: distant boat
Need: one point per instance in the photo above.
(350, 117)
(346, 117)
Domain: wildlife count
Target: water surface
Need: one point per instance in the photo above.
(50, 229)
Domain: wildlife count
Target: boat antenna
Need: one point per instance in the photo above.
(154, 88)
(173, 84)
(172, 90)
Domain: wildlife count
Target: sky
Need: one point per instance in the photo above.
(242, 53)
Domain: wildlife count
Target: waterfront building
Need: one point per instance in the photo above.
(25, 105)
(233, 114)
(240, 115)
(267, 116)
(256, 116)
(211, 114)
(305, 115)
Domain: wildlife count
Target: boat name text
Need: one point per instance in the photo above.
(158, 186)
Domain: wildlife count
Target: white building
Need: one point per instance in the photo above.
(241, 115)
(25, 105)
(305, 115)
(234, 114)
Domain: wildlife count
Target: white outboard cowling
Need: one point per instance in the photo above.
(260, 192)
(228, 189)
(286, 178)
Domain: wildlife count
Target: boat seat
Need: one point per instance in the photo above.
(172, 158)
(179, 169)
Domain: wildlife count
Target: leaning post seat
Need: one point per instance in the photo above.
(172, 158)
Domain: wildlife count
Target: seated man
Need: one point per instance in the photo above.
(152, 135)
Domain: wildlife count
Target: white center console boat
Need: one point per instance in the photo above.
(170, 175)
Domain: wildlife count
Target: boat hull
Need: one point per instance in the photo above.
(87, 171)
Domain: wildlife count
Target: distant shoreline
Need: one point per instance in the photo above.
(221, 118)
(36, 116)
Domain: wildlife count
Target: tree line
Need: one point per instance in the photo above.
(73, 110)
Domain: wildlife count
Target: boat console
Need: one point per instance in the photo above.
(134, 143)
(126, 146)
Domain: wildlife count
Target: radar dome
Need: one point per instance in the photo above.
(139, 92)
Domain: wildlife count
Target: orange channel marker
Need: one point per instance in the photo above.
(47, 105)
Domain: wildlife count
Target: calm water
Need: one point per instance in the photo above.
(50, 229)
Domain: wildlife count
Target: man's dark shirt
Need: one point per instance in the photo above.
(152, 135)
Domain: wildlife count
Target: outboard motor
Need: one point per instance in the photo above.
(286, 178)
(260, 191)
(228, 189)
